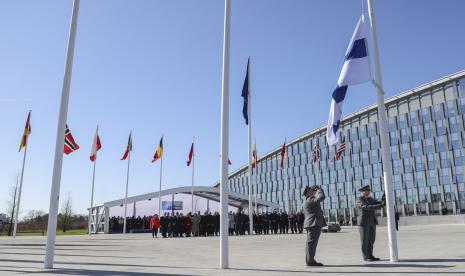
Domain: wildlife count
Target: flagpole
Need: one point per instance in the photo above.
(127, 184)
(224, 189)
(249, 115)
(19, 192)
(159, 188)
(384, 140)
(93, 181)
(256, 173)
(58, 160)
(193, 162)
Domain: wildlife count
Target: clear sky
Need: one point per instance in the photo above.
(154, 67)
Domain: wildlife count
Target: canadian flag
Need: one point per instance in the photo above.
(96, 145)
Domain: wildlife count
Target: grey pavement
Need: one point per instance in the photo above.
(423, 250)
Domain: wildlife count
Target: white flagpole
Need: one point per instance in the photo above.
(384, 141)
(255, 160)
(58, 160)
(127, 185)
(161, 175)
(224, 189)
(192, 191)
(20, 188)
(249, 110)
(159, 188)
(93, 180)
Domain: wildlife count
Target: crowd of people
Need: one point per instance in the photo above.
(176, 224)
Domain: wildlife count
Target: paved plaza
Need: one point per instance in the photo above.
(424, 250)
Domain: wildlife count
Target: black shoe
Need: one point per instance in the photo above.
(374, 259)
(315, 264)
(368, 259)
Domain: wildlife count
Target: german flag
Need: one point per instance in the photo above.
(26, 132)
(159, 151)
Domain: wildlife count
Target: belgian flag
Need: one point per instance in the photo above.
(159, 151)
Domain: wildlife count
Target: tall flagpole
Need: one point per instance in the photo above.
(93, 181)
(159, 188)
(224, 189)
(249, 115)
(58, 160)
(19, 192)
(256, 173)
(384, 140)
(127, 184)
(193, 162)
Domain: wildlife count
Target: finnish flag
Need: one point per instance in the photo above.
(356, 70)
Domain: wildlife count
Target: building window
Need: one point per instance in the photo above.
(408, 165)
(392, 124)
(419, 164)
(416, 148)
(416, 133)
(396, 167)
(441, 143)
(425, 115)
(454, 125)
(444, 159)
(431, 178)
(413, 118)
(441, 127)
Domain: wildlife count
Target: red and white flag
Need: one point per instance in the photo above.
(70, 144)
(128, 147)
(96, 145)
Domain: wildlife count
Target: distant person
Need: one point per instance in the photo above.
(367, 222)
(314, 221)
(444, 210)
(154, 225)
(397, 220)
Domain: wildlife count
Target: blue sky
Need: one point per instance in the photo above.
(154, 67)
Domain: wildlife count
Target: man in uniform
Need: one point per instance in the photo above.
(367, 222)
(314, 221)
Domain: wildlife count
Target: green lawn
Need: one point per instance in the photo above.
(59, 233)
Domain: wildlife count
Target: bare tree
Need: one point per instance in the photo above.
(66, 212)
(11, 207)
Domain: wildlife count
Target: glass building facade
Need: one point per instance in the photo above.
(426, 128)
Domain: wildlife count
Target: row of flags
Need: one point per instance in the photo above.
(70, 145)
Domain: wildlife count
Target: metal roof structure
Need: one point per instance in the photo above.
(207, 192)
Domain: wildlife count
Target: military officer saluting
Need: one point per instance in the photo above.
(314, 221)
(367, 222)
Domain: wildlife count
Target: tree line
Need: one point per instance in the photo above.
(35, 221)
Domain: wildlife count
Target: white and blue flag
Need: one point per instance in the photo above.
(356, 70)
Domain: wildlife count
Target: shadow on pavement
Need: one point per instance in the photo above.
(434, 260)
(92, 272)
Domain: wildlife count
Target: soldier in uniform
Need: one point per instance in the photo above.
(314, 221)
(367, 222)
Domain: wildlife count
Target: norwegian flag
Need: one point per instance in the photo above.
(315, 153)
(254, 155)
(191, 155)
(340, 151)
(70, 144)
(96, 145)
(229, 162)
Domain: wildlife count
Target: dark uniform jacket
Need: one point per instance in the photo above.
(312, 210)
(367, 207)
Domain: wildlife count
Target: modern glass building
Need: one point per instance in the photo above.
(427, 139)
